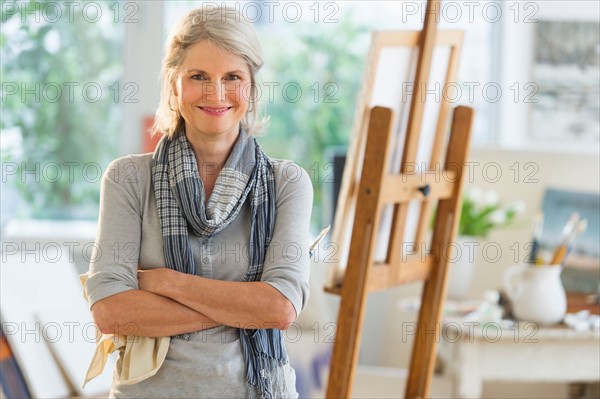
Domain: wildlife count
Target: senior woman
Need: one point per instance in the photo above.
(205, 240)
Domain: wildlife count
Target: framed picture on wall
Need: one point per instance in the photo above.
(548, 70)
(565, 68)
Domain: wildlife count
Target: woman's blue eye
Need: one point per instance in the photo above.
(198, 77)
(234, 77)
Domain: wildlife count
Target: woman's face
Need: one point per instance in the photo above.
(212, 91)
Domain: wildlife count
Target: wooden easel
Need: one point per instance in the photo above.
(375, 188)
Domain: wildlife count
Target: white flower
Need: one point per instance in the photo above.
(498, 217)
(490, 198)
(518, 207)
(475, 195)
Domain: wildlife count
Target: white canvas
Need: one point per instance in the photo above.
(44, 295)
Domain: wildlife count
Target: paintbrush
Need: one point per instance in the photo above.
(561, 252)
(578, 231)
(313, 246)
(538, 226)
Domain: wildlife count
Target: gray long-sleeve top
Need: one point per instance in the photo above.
(129, 234)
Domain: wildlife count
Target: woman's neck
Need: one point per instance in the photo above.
(211, 154)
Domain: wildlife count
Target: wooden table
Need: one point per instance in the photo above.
(474, 352)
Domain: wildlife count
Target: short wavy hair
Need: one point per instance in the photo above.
(226, 28)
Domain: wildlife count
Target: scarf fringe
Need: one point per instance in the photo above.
(265, 362)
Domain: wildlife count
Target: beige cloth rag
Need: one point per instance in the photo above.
(141, 357)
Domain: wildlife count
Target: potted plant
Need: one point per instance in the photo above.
(482, 211)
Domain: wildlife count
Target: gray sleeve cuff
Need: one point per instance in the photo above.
(103, 284)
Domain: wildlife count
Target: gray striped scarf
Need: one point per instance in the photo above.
(180, 200)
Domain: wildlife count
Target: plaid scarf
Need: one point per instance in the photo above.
(180, 199)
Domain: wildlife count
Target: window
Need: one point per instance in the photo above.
(61, 89)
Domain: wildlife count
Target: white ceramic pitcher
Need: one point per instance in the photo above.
(536, 293)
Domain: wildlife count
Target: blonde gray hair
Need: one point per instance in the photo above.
(226, 28)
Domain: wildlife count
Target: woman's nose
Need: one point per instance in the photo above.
(214, 91)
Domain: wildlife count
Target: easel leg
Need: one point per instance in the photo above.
(434, 290)
(355, 285)
(345, 353)
(349, 327)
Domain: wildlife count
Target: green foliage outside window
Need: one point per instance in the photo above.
(60, 106)
(325, 62)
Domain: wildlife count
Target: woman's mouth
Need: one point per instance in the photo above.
(215, 110)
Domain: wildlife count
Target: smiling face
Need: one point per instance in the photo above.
(210, 90)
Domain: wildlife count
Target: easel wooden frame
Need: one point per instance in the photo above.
(372, 189)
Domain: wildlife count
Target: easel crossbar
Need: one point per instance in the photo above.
(416, 268)
(404, 187)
